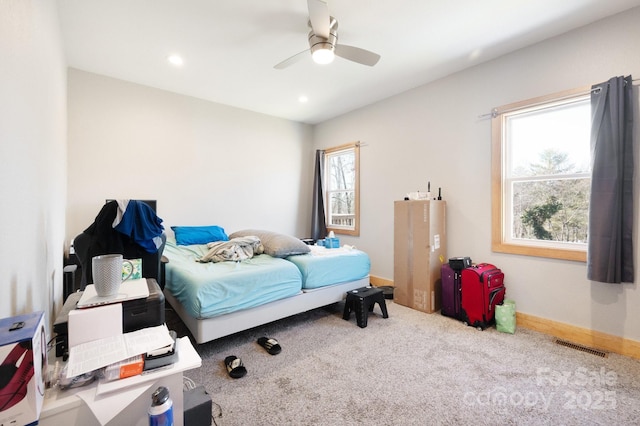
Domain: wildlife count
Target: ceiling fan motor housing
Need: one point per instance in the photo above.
(323, 41)
(317, 42)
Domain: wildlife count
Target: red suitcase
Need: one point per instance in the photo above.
(482, 288)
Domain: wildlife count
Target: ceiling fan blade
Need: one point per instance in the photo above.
(292, 60)
(319, 17)
(356, 54)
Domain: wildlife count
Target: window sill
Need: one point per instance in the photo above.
(353, 233)
(552, 253)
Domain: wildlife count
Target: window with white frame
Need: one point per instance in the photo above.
(342, 186)
(541, 176)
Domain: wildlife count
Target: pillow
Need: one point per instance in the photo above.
(187, 235)
(275, 245)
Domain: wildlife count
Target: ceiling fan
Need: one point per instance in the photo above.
(323, 40)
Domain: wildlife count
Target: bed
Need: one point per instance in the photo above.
(216, 299)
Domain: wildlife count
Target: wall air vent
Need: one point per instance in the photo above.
(582, 348)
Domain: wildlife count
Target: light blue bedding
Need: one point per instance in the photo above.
(210, 289)
(322, 267)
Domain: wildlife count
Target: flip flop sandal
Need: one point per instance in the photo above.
(235, 367)
(271, 345)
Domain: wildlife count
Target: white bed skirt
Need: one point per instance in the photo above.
(205, 330)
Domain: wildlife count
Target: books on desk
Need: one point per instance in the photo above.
(99, 353)
(146, 363)
(161, 357)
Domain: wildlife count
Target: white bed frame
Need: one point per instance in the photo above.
(205, 330)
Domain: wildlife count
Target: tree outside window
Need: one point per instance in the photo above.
(542, 177)
(342, 197)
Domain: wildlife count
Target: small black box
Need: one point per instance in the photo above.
(459, 263)
(197, 407)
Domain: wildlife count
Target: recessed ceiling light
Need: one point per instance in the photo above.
(175, 60)
(303, 99)
(475, 54)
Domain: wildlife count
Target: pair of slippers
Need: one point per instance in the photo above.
(234, 365)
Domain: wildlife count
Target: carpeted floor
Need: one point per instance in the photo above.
(411, 369)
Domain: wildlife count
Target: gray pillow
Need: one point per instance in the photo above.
(275, 244)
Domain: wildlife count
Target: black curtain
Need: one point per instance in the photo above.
(610, 247)
(318, 220)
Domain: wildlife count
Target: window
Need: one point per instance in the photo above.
(342, 189)
(541, 176)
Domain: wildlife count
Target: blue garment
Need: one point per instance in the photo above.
(140, 223)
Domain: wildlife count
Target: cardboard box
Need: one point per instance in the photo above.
(23, 351)
(419, 252)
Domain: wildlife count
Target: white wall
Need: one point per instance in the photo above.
(33, 155)
(205, 163)
(433, 133)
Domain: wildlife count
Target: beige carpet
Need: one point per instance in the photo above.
(412, 369)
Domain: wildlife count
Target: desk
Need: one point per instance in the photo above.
(122, 402)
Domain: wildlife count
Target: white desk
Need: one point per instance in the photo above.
(121, 402)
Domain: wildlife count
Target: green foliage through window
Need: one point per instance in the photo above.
(549, 208)
(541, 176)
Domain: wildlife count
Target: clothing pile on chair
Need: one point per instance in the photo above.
(130, 227)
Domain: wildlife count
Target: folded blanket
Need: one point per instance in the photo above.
(236, 249)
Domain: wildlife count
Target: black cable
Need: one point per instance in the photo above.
(49, 345)
(213, 416)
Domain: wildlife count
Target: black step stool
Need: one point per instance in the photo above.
(361, 301)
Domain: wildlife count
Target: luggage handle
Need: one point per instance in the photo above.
(485, 273)
(481, 265)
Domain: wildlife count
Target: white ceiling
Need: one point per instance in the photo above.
(229, 47)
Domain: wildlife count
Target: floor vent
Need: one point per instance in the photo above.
(578, 347)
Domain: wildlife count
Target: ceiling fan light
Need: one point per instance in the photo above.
(323, 56)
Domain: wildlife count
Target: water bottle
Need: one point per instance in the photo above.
(161, 410)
